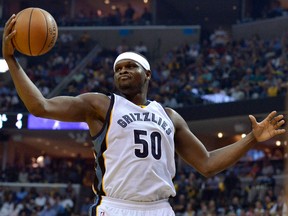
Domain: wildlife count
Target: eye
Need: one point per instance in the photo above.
(117, 69)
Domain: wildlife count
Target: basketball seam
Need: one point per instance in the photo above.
(47, 32)
(29, 35)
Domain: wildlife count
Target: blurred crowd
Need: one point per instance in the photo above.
(253, 187)
(137, 14)
(115, 17)
(127, 15)
(246, 189)
(211, 71)
(38, 199)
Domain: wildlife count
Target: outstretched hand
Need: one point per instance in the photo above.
(268, 128)
(7, 45)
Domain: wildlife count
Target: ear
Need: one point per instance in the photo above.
(148, 74)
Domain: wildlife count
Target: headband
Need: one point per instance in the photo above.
(133, 56)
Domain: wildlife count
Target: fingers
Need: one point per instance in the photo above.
(279, 124)
(277, 121)
(253, 120)
(280, 131)
(271, 116)
(9, 20)
(278, 118)
(9, 33)
(9, 24)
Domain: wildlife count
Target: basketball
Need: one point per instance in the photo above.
(36, 32)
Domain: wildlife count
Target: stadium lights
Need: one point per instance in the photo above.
(220, 135)
(3, 66)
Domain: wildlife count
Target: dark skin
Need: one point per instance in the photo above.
(132, 80)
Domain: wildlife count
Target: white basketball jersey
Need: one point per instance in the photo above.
(134, 152)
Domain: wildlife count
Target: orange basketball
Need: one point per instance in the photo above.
(36, 32)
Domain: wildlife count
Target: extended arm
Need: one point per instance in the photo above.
(86, 108)
(61, 108)
(193, 151)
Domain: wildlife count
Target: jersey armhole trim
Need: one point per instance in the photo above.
(108, 116)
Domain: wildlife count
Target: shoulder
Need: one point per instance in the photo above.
(169, 111)
(97, 103)
(175, 117)
(95, 97)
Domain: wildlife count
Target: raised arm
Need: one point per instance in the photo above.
(86, 107)
(193, 151)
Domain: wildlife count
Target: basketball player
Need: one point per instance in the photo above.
(134, 138)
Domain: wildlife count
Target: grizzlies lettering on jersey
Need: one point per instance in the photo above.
(134, 152)
(146, 116)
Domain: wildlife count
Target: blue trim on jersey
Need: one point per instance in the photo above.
(99, 146)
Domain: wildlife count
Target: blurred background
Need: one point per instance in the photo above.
(215, 62)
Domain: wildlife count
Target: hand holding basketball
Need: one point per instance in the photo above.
(36, 32)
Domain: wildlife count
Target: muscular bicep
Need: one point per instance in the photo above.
(64, 108)
(75, 109)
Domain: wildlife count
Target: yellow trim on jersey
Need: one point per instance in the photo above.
(106, 142)
(142, 106)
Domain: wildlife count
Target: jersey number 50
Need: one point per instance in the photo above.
(141, 137)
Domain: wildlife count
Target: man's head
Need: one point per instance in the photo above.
(131, 73)
(133, 56)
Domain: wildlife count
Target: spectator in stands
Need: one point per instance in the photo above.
(122, 47)
(259, 209)
(66, 40)
(8, 204)
(232, 185)
(23, 175)
(212, 187)
(48, 210)
(276, 9)
(41, 199)
(36, 175)
(267, 168)
(268, 203)
(21, 194)
(235, 205)
(192, 186)
(129, 14)
(146, 17)
(84, 209)
(280, 207)
(25, 208)
(84, 41)
(67, 203)
(141, 48)
(180, 205)
(115, 17)
(190, 209)
(219, 38)
(203, 209)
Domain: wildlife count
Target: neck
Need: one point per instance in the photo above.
(139, 99)
(137, 95)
